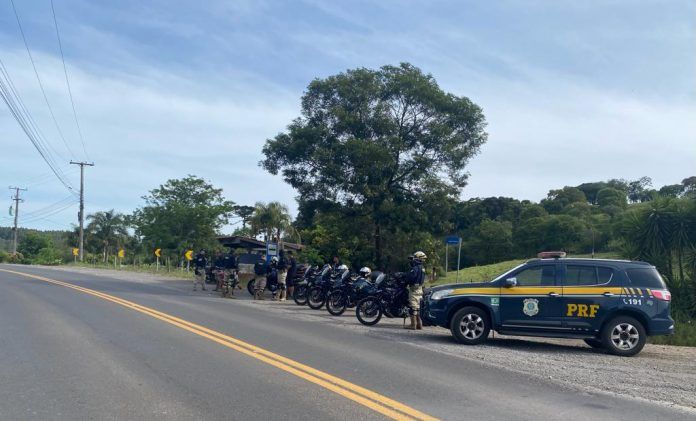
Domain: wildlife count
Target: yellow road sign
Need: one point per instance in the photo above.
(158, 252)
(189, 254)
(122, 253)
(75, 251)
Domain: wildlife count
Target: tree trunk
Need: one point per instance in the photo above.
(378, 246)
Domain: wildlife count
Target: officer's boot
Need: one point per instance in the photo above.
(412, 326)
(419, 322)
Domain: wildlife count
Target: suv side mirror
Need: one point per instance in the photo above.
(510, 282)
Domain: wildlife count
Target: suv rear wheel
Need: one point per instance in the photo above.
(470, 325)
(624, 336)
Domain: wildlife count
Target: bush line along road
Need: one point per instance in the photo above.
(112, 345)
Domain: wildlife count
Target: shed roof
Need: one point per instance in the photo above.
(238, 241)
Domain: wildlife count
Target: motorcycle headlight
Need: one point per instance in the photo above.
(438, 295)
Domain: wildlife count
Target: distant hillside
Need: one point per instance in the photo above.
(59, 238)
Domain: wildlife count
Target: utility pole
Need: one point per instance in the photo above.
(81, 215)
(16, 216)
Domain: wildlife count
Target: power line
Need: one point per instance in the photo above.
(22, 110)
(38, 79)
(47, 209)
(53, 212)
(19, 111)
(67, 81)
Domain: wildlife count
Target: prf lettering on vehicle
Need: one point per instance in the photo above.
(582, 310)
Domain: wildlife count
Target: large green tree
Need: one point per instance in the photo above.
(106, 230)
(271, 220)
(182, 213)
(377, 140)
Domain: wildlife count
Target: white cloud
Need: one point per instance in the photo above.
(142, 131)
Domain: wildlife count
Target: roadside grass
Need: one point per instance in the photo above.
(489, 272)
(477, 273)
(163, 270)
(684, 335)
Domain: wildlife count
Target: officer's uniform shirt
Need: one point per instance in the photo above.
(229, 262)
(200, 261)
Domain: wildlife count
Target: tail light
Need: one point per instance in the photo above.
(662, 294)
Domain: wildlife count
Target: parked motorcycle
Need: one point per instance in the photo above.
(346, 294)
(389, 297)
(299, 294)
(270, 286)
(316, 295)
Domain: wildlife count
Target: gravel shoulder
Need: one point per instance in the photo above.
(660, 373)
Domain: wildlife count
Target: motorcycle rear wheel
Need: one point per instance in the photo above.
(336, 303)
(315, 298)
(368, 311)
(251, 285)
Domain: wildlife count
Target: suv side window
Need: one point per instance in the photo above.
(647, 277)
(536, 276)
(577, 275)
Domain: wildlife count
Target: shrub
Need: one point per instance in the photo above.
(47, 256)
(15, 258)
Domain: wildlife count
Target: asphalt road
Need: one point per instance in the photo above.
(68, 354)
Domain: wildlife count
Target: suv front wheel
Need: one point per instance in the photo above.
(470, 325)
(624, 336)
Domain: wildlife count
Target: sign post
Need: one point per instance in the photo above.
(189, 256)
(75, 253)
(158, 252)
(451, 239)
(459, 258)
(271, 251)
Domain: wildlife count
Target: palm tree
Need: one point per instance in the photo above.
(107, 228)
(272, 220)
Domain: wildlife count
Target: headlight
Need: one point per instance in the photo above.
(438, 295)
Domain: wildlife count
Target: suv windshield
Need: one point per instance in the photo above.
(646, 277)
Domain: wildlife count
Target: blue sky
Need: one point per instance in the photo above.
(572, 91)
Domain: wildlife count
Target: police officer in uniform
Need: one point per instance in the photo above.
(260, 269)
(219, 270)
(292, 273)
(282, 268)
(200, 262)
(229, 266)
(272, 277)
(414, 281)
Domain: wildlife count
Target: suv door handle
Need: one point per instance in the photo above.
(553, 294)
(608, 294)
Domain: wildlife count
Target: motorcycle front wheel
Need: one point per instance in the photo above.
(300, 295)
(315, 298)
(368, 311)
(336, 303)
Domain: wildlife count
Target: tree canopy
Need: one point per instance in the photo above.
(377, 141)
(182, 213)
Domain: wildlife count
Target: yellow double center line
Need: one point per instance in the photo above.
(365, 397)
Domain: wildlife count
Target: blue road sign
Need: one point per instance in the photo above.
(452, 239)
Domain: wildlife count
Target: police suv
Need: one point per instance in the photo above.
(611, 304)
